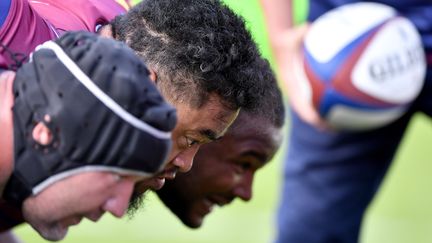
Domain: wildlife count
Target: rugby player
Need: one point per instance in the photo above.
(224, 170)
(56, 114)
(184, 46)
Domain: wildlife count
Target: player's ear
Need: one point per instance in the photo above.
(106, 31)
(42, 134)
(153, 75)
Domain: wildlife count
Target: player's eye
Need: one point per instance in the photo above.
(191, 142)
(246, 166)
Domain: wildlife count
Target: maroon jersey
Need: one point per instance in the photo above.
(29, 23)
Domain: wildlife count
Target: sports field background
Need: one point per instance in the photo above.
(401, 213)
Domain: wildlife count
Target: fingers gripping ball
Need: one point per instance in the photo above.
(363, 65)
(94, 94)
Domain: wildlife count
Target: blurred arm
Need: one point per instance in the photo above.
(279, 21)
(286, 41)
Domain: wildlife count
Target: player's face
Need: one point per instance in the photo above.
(66, 202)
(195, 127)
(223, 170)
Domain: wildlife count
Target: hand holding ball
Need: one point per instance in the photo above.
(362, 66)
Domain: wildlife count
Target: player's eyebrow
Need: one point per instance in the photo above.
(262, 158)
(209, 134)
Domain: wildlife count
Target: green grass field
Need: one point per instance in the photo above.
(401, 213)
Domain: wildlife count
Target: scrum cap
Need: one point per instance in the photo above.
(104, 112)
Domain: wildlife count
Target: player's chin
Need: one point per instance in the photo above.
(193, 221)
(197, 211)
(54, 233)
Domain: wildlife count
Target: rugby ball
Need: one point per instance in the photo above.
(362, 66)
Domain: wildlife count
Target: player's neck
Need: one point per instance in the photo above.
(6, 127)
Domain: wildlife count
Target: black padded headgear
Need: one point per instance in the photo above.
(104, 112)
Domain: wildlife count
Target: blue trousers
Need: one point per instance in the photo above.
(330, 178)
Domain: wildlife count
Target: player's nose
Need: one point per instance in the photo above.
(118, 203)
(243, 189)
(184, 160)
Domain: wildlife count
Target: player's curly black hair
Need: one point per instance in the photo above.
(271, 105)
(196, 47)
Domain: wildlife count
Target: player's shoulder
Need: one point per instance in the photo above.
(69, 15)
(111, 5)
(107, 8)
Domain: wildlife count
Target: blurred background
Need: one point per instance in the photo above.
(400, 213)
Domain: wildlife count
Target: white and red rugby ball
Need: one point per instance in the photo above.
(362, 66)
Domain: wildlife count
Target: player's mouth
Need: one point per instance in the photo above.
(209, 203)
(159, 183)
(71, 221)
(77, 221)
(208, 206)
(220, 200)
(95, 215)
(169, 173)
